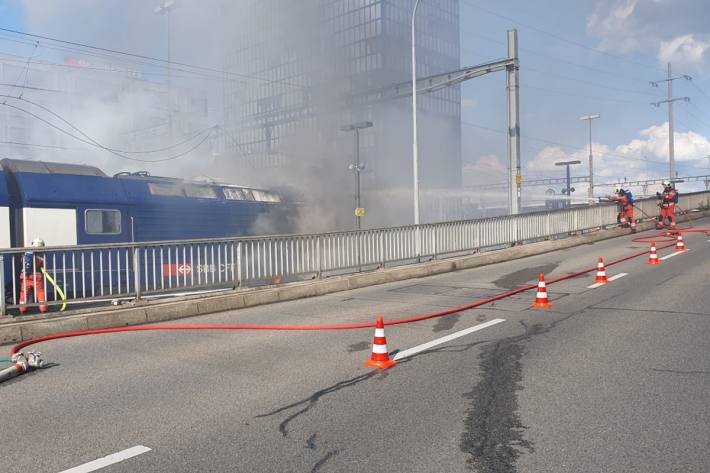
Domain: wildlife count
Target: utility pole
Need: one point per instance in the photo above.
(164, 9)
(516, 179)
(707, 180)
(589, 118)
(669, 80)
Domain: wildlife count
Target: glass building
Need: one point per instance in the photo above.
(297, 72)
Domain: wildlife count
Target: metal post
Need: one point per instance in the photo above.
(137, 272)
(589, 118)
(3, 302)
(513, 88)
(357, 174)
(569, 181)
(671, 150)
(415, 144)
(569, 187)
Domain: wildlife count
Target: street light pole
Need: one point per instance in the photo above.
(357, 167)
(415, 144)
(589, 118)
(164, 9)
(569, 179)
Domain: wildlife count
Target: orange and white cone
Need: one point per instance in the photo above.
(679, 244)
(380, 357)
(601, 272)
(653, 256)
(541, 301)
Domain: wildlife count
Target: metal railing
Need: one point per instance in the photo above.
(94, 273)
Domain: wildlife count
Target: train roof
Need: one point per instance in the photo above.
(44, 167)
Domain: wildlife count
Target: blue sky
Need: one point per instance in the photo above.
(590, 56)
(577, 58)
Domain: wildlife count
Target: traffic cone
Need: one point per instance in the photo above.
(679, 244)
(541, 301)
(653, 257)
(601, 272)
(380, 358)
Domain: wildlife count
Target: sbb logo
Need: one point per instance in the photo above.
(180, 269)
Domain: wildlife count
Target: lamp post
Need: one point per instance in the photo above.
(356, 166)
(589, 118)
(569, 187)
(164, 8)
(415, 144)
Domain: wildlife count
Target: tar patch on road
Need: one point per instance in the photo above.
(446, 323)
(494, 435)
(518, 278)
(359, 346)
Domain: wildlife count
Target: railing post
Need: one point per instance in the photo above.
(382, 248)
(137, 272)
(319, 259)
(3, 302)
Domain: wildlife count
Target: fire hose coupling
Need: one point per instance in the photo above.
(35, 360)
(32, 359)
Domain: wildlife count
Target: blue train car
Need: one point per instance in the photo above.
(69, 205)
(75, 204)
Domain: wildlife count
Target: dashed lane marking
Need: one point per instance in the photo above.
(673, 254)
(448, 338)
(109, 460)
(613, 278)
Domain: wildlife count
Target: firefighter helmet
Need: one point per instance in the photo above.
(38, 242)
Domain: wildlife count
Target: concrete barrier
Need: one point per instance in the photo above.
(15, 330)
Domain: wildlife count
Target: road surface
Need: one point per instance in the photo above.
(612, 379)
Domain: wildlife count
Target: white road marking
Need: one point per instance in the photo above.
(613, 278)
(108, 460)
(673, 254)
(439, 341)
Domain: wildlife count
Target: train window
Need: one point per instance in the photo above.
(233, 193)
(102, 222)
(265, 196)
(165, 188)
(204, 192)
(248, 194)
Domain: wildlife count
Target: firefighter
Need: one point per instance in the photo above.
(668, 199)
(624, 202)
(31, 278)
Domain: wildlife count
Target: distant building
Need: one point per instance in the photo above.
(295, 70)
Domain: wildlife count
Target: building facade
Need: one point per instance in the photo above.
(298, 73)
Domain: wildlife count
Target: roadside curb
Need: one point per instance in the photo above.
(12, 330)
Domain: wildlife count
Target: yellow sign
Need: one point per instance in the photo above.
(360, 212)
(518, 180)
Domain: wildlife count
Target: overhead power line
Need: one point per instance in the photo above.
(556, 36)
(96, 144)
(148, 58)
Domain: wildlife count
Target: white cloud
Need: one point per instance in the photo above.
(688, 145)
(636, 160)
(666, 29)
(683, 49)
(612, 24)
(488, 169)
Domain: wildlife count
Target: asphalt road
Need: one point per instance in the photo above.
(612, 379)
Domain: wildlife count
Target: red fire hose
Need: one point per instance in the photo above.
(141, 328)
